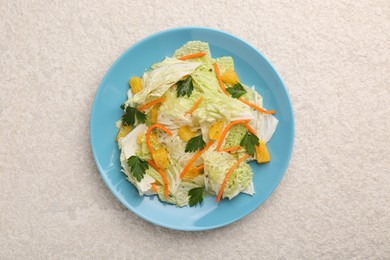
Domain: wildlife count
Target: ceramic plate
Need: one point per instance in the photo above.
(253, 69)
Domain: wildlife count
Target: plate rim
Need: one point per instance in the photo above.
(93, 113)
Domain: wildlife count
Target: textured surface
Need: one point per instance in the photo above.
(334, 202)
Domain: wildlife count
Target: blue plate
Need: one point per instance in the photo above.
(253, 69)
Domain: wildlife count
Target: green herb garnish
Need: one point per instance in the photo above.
(249, 142)
(184, 87)
(196, 196)
(131, 113)
(237, 90)
(137, 167)
(195, 143)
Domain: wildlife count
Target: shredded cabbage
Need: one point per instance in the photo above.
(217, 164)
(160, 81)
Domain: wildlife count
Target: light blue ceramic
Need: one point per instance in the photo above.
(252, 68)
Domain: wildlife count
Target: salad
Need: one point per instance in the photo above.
(189, 128)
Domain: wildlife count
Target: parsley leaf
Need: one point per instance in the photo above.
(141, 117)
(237, 90)
(185, 87)
(195, 143)
(196, 196)
(131, 113)
(249, 142)
(137, 167)
(122, 107)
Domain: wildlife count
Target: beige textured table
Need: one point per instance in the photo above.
(334, 201)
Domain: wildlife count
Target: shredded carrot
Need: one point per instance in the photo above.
(149, 143)
(154, 188)
(228, 175)
(262, 110)
(194, 107)
(159, 100)
(192, 56)
(226, 130)
(231, 149)
(193, 159)
(165, 179)
(250, 128)
(218, 74)
(198, 168)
